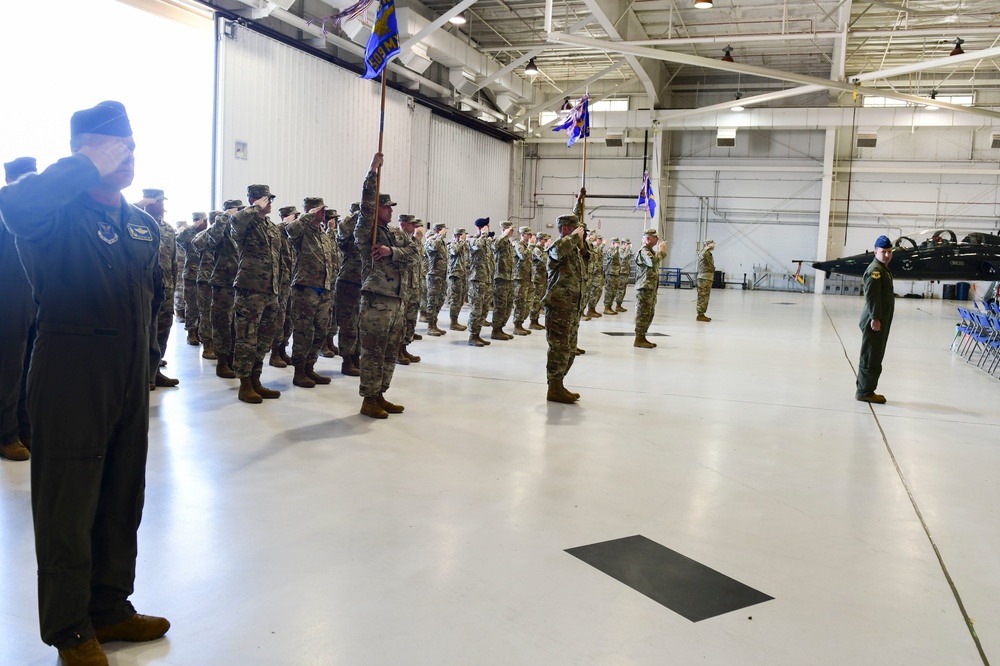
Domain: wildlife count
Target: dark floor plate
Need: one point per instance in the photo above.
(686, 587)
(630, 334)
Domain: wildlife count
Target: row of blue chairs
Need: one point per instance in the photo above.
(977, 336)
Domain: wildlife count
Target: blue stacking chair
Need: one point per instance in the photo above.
(967, 327)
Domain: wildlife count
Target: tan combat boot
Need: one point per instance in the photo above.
(592, 313)
(702, 317)
(557, 393)
(349, 368)
(301, 378)
(276, 360)
(641, 341)
(370, 407)
(263, 391)
(313, 375)
(609, 311)
(412, 358)
(476, 341)
(498, 334)
(432, 329)
(247, 392)
(224, 368)
(15, 450)
(192, 338)
(283, 353)
(535, 326)
(455, 326)
(388, 406)
(87, 653)
(620, 308)
(209, 351)
(519, 329)
(162, 380)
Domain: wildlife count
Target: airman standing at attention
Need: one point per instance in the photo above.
(706, 275)
(282, 319)
(329, 348)
(257, 286)
(312, 297)
(612, 267)
(563, 303)
(192, 260)
(347, 294)
(596, 276)
(436, 256)
(17, 335)
(179, 277)
(458, 277)
(385, 258)
(503, 281)
(412, 277)
(647, 282)
(206, 265)
(480, 280)
(225, 262)
(876, 320)
(524, 292)
(152, 203)
(587, 254)
(539, 278)
(625, 256)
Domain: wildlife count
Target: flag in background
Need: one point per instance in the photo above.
(577, 123)
(384, 42)
(646, 197)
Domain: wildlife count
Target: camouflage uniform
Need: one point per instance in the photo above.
(179, 278)
(706, 274)
(587, 253)
(347, 293)
(524, 288)
(563, 302)
(282, 322)
(192, 261)
(168, 267)
(646, 283)
(257, 285)
(539, 276)
(503, 281)
(480, 281)
(458, 277)
(436, 255)
(625, 255)
(413, 278)
(331, 233)
(225, 261)
(312, 298)
(596, 278)
(206, 264)
(382, 292)
(612, 269)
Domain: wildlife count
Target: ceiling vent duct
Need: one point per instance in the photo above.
(726, 137)
(995, 140)
(614, 139)
(867, 137)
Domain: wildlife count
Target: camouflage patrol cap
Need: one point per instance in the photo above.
(312, 202)
(628, 240)
(255, 192)
(355, 207)
(709, 241)
(285, 211)
(20, 166)
(459, 231)
(650, 232)
(506, 224)
(332, 214)
(233, 203)
(616, 240)
(153, 194)
(408, 219)
(214, 214)
(543, 236)
(198, 216)
(568, 221)
(439, 226)
(384, 200)
(524, 230)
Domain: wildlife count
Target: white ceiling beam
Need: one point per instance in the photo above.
(559, 98)
(651, 76)
(435, 24)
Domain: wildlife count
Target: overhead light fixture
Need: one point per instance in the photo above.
(567, 105)
(958, 47)
(738, 107)
(702, 4)
(531, 68)
(728, 57)
(931, 107)
(457, 19)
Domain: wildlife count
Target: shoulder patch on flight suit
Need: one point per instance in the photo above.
(106, 232)
(876, 274)
(139, 232)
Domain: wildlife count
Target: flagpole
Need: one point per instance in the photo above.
(378, 172)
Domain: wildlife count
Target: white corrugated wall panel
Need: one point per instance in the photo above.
(311, 129)
(470, 175)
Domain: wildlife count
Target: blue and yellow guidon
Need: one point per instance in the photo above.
(106, 232)
(139, 232)
(384, 42)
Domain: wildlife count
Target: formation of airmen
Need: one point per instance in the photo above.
(245, 286)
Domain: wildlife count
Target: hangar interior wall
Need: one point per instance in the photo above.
(306, 127)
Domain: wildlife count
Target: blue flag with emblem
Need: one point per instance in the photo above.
(384, 42)
(646, 197)
(577, 122)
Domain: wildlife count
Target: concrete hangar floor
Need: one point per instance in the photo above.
(722, 499)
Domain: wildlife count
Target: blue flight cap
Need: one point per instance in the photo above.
(883, 242)
(20, 166)
(108, 118)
